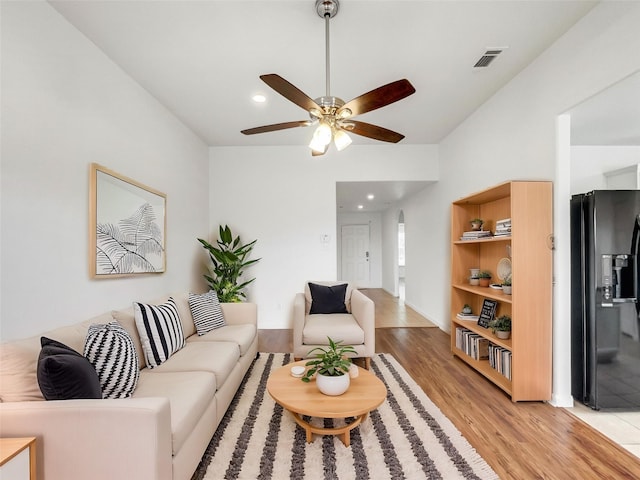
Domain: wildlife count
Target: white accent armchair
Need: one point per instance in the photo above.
(355, 326)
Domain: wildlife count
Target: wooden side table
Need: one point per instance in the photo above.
(18, 458)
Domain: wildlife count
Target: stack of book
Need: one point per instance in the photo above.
(475, 234)
(474, 345)
(466, 316)
(500, 359)
(503, 228)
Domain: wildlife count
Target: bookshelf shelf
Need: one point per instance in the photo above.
(527, 354)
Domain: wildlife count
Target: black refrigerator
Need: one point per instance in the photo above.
(605, 331)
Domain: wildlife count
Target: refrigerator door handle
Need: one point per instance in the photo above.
(635, 240)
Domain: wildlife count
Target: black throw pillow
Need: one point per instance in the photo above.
(64, 374)
(328, 299)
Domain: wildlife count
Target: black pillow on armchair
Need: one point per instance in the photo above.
(328, 299)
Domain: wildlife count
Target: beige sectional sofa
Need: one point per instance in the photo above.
(161, 431)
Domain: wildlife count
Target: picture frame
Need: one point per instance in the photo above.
(487, 313)
(127, 226)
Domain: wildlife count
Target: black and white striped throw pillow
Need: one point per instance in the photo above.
(160, 331)
(206, 311)
(110, 350)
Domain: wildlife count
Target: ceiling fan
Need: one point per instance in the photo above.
(332, 115)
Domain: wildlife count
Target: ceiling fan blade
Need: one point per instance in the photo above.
(377, 98)
(276, 126)
(373, 131)
(290, 92)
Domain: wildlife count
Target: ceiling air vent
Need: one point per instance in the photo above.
(488, 57)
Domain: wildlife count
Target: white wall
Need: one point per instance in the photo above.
(390, 268)
(512, 136)
(374, 221)
(64, 106)
(286, 199)
(589, 163)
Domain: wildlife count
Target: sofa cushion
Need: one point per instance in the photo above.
(206, 311)
(242, 335)
(160, 330)
(343, 327)
(64, 374)
(110, 350)
(328, 298)
(189, 394)
(218, 358)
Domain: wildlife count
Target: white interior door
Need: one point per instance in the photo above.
(355, 254)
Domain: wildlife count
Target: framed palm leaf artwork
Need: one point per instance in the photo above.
(127, 223)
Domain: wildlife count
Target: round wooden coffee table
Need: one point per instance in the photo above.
(365, 393)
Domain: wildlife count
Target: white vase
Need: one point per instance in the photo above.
(332, 385)
(503, 335)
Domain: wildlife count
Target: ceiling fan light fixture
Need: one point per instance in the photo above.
(321, 138)
(324, 133)
(316, 145)
(341, 139)
(344, 113)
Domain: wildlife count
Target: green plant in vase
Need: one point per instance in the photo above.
(331, 361)
(484, 278)
(501, 326)
(506, 285)
(229, 258)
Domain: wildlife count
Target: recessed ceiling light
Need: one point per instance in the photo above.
(360, 207)
(371, 196)
(259, 98)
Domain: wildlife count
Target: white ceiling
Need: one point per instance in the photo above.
(202, 59)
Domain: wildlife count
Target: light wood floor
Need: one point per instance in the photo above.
(526, 440)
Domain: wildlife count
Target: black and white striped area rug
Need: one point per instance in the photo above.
(407, 437)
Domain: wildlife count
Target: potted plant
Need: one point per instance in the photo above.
(484, 278)
(506, 285)
(501, 326)
(466, 309)
(476, 224)
(331, 368)
(229, 258)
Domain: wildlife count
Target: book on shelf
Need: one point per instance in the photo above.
(500, 359)
(475, 234)
(503, 227)
(466, 316)
(473, 344)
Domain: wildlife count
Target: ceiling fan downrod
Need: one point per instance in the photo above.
(328, 9)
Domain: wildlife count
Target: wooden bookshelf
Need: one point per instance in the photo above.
(529, 248)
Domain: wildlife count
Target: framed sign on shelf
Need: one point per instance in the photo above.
(487, 313)
(127, 226)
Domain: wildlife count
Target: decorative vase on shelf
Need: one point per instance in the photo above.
(503, 335)
(333, 385)
(506, 289)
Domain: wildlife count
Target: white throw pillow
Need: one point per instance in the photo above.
(206, 311)
(160, 330)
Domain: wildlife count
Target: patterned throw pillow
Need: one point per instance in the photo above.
(110, 350)
(160, 331)
(206, 311)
